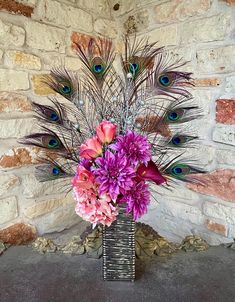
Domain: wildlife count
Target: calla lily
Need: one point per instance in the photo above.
(151, 173)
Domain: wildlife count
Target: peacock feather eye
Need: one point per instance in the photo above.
(164, 80)
(176, 140)
(53, 143)
(65, 88)
(54, 117)
(98, 68)
(55, 171)
(134, 68)
(177, 170)
(173, 116)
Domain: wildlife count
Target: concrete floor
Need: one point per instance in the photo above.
(26, 276)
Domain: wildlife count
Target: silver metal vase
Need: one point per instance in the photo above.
(119, 248)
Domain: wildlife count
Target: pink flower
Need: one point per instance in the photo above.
(150, 172)
(106, 132)
(93, 209)
(91, 148)
(83, 179)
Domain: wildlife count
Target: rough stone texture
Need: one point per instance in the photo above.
(220, 183)
(20, 59)
(208, 82)
(16, 128)
(13, 80)
(182, 211)
(1, 55)
(47, 38)
(45, 207)
(224, 134)
(73, 64)
(32, 188)
(63, 14)
(229, 1)
(210, 29)
(51, 60)
(165, 36)
(99, 7)
(180, 10)
(39, 87)
(13, 102)
(18, 234)
(219, 211)
(225, 111)
(230, 84)
(216, 227)
(11, 35)
(9, 209)
(225, 157)
(105, 28)
(16, 7)
(7, 183)
(217, 60)
(138, 22)
(61, 219)
(19, 156)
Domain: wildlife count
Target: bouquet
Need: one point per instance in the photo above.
(115, 168)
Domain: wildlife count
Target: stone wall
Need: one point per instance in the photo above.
(203, 33)
(36, 35)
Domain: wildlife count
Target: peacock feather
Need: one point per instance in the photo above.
(150, 95)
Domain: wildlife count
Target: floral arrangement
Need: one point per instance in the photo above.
(115, 168)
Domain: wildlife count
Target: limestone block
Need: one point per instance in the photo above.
(7, 183)
(20, 59)
(18, 234)
(216, 60)
(224, 134)
(165, 36)
(13, 80)
(65, 15)
(219, 211)
(98, 7)
(19, 156)
(16, 128)
(180, 10)
(106, 28)
(204, 30)
(219, 183)
(62, 218)
(225, 157)
(45, 37)
(11, 35)
(230, 84)
(44, 207)
(14, 102)
(73, 64)
(9, 209)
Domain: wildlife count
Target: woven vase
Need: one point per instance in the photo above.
(119, 248)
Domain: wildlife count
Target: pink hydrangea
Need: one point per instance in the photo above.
(95, 209)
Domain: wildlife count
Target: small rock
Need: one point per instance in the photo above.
(193, 243)
(44, 245)
(93, 243)
(2, 248)
(18, 234)
(74, 247)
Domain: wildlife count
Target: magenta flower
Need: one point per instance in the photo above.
(114, 174)
(134, 146)
(150, 172)
(137, 200)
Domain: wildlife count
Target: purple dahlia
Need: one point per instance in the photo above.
(134, 146)
(137, 200)
(114, 174)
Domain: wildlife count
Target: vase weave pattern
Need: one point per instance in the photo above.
(119, 248)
